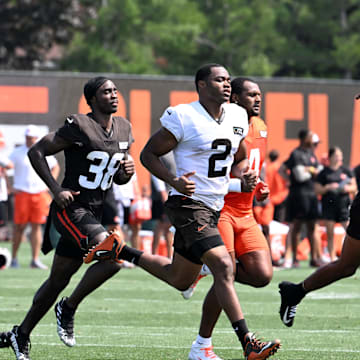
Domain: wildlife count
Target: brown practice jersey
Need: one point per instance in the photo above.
(94, 157)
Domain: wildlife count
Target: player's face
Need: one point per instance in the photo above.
(218, 85)
(107, 98)
(250, 98)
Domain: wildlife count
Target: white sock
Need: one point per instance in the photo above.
(203, 341)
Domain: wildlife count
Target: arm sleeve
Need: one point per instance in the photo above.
(170, 120)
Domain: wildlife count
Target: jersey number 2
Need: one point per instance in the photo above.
(220, 156)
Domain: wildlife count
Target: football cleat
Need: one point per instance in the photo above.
(290, 298)
(20, 344)
(258, 350)
(107, 249)
(5, 339)
(188, 293)
(65, 323)
(199, 352)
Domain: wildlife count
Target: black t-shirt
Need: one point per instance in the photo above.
(304, 157)
(93, 159)
(342, 176)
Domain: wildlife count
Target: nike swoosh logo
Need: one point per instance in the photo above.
(102, 252)
(285, 319)
(202, 227)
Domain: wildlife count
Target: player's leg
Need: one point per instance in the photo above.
(346, 265)
(252, 251)
(220, 264)
(225, 227)
(61, 272)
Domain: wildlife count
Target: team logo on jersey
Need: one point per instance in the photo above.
(238, 130)
(263, 133)
(123, 145)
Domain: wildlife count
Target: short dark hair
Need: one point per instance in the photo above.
(273, 155)
(332, 151)
(237, 85)
(303, 133)
(92, 86)
(203, 73)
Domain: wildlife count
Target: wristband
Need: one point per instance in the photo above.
(234, 185)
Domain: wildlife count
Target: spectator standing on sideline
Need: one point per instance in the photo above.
(278, 187)
(32, 198)
(302, 203)
(95, 147)
(335, 183)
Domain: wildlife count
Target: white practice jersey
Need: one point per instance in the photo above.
(206, 146)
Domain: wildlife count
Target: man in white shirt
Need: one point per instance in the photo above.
(31, 205)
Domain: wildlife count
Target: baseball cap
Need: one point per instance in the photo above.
(32, 131)
(315, 138)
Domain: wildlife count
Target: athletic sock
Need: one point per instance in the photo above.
(201, 341)
(130, 254)
(300, 290)
(22, 334)
(241, 330)
(67, 307)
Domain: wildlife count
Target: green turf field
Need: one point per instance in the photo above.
(136, 317)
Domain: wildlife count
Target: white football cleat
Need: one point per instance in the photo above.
(200, 352)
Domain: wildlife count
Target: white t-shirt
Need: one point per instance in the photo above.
(206, 146)
(25, 177)
(125, 193)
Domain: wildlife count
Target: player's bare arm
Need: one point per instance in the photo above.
(49, 145)
(159, 144)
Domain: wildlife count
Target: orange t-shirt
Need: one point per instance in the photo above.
(241, 204)
(277, 184)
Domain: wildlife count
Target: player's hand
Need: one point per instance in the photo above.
(65, 197)
(128, 166)
(262, 191)
(184, 185)
(249, 181)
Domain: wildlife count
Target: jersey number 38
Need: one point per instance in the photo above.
(102, 170)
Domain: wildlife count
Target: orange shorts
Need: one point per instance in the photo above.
(31, 208)
(241, 234)
(264, 214)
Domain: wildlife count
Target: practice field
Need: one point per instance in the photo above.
(136, 317)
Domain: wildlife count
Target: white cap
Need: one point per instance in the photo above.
(315, 138)
(32, 131)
